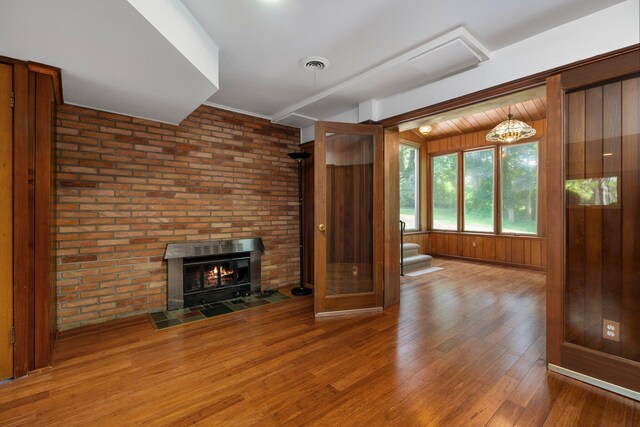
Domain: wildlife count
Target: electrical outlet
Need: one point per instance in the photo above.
(473, 244)
(354, 271)
(611, 330)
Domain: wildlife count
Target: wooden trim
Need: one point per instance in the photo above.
(320, 217)
(391, 217)
(501, 89)
(6, 222)
(347, 312)
(22, 257)
(595, 381)
(491, 262)
(618, 66)
(347, 301)
(603, 366)
(43, 300)
(555, 219)
(55, 74)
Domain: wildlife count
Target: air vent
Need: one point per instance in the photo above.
(315, 63)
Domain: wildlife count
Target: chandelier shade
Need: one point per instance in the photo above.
(510, 130)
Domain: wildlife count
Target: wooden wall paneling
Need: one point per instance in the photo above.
(30, 272)
(21, 141)
(593, 220)
(630, 334)
(44, 299)
(390, 141)
(536, 253)
(517, 251)
(612, 217)
(501, 249)
(6, 221)
(425, 198)
(575, 276)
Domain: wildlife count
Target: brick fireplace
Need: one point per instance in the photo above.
(127, 187)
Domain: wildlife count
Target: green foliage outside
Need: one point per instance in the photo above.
(445, 192)
(478, 190)
(407, 177)
(520, 188)
(519, 175)
(408, 159)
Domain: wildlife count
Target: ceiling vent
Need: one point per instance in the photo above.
(315, 63)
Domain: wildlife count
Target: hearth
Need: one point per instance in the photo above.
(206, 272)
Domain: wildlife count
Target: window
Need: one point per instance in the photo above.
(445, 192)
(409, 185)
(479, 191)
(515, 168)
(519, 188)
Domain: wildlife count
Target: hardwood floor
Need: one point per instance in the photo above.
(465, 347)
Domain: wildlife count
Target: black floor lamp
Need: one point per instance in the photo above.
(300, 290)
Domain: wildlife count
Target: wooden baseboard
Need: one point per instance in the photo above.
(486, 261)
(595, 382)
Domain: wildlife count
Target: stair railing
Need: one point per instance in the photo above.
(403, 225)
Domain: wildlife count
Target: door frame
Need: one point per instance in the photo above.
(563, 356)
(6, 232)
(555, 194)
(348, 303)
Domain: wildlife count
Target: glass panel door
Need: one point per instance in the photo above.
(349, 215)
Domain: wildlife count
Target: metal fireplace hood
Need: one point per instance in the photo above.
(213, 247)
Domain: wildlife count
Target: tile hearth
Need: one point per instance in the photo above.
(165, 319)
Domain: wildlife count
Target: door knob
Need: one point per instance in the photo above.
(322, 227)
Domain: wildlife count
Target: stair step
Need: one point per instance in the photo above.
(417, 259)
(410, 249)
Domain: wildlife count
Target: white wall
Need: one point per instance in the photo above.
(604, 31)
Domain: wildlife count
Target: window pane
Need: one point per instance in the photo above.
(445, 192)
(519, 185)
(409, 157)
(478, 190)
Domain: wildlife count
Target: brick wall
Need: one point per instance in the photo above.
(126, 187)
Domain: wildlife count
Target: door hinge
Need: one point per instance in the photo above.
(13, 335)
(13, 99)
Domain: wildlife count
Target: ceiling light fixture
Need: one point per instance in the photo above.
(424, 129)
(510, 130)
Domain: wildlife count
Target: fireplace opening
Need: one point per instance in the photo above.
(216, 278)
(206, 272)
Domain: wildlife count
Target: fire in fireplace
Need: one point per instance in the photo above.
(210, 279)
(205, 272)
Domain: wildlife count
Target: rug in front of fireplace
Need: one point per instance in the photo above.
(165, 319)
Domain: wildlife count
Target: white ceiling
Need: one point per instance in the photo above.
(114, 59)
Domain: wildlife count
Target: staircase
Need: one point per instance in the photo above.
(412, 260)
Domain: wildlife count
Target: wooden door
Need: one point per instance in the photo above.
(349, 249)
(6, 222)
(593, 323)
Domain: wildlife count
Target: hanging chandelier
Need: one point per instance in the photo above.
(510, 130)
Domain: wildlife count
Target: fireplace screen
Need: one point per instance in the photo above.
(215, 273)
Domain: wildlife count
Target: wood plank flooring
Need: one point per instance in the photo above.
(465, 347)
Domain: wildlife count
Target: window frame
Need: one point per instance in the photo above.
(499, 147)
(496, 152)
(497, 175)
(430, 194)
(418, 192)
